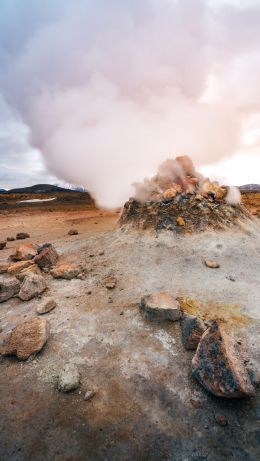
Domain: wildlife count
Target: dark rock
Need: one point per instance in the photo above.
(192, 329)
(8, 288)
(10, 239)
(47, 257)
(2, 245)
(218, 366)
(27, 339)
(22, 236)
(231, 277)
(73, 232)
(221, 419)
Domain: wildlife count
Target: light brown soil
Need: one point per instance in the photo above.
(147, 405)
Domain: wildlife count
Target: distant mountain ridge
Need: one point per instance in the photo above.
(38, 189)
(250, 188)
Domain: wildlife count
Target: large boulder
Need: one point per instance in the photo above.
(66, 271)
(24, 252)
(47, 256)
(160, 306)
(218, 366)
(192, 329)
(27, 338)
(33, 285)
(8, 288)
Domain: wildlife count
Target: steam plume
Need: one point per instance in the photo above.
(110, 89)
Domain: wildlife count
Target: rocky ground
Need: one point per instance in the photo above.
(144, 403)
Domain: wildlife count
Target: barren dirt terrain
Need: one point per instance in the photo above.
(147, 405)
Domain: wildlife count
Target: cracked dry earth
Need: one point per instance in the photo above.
(147, 405)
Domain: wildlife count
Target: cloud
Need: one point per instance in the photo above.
(109, 90)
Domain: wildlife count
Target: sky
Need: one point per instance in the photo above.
(99, 94)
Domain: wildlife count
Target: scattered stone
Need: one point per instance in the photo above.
(66, 271)
(180, 221)
(221, 420)
(89, 292)
(218, 366)
(15, 268)
(110, 282)
(161, 306)
(122, 313)
(24, 252)
(89, 395)
(8, 288)
(2, 245)
(46, 306)
(101, 253)
(33, 285)
(192, 329)
(69, 378)
(4, 268)
(231, 277)
(27, 339)
(196, 403)
(211, 264)
(10, 239)
(47, 256)
(33, 269)
(22, 236)
(73, 232)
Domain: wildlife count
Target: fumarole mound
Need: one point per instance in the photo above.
(180, 200)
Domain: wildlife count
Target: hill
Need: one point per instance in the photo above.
(250, 188)
(38, 189)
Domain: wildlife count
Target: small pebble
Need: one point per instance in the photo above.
(221, 420)
(231, 277)
(89, 395)
(211, 264)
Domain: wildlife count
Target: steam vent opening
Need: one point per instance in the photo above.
(180, 200)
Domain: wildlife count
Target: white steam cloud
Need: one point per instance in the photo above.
(110, 89)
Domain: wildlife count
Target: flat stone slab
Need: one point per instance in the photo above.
(66, 271)
(27, 338)
(160, 306)
(218, 365)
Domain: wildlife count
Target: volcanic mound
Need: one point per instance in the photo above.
(181, 200)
